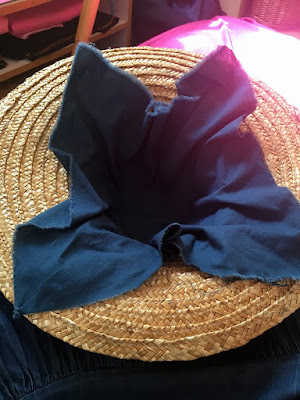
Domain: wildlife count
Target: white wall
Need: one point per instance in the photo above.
(231, 7)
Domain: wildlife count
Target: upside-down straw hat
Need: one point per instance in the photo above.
(179, 313)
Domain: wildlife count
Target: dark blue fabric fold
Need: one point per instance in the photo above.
(37, 366)
(150, 178)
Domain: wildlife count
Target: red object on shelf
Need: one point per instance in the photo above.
(3, 25)
(44, 16)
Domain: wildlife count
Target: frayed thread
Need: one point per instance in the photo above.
(17, 314)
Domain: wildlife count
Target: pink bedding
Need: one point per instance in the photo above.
(3, 25)
(265, 54)
(44, 16)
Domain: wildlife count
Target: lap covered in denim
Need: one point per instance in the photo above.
(35, 365)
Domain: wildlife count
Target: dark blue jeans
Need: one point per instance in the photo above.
(166, 14)
(34, 365)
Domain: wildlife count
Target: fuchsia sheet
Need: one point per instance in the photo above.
(265, 54)
(44, 16)
(3, 25)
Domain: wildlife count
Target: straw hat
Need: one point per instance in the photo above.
(179, 313)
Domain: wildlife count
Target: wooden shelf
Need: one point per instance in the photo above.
(16, 67)
(123, 9)
(19, 5)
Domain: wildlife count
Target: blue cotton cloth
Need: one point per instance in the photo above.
(150, 180)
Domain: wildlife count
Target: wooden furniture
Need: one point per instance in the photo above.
(19, 5)
(86, 21)
(118, 35)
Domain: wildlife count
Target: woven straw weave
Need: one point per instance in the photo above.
(277, 14)
(179, 313)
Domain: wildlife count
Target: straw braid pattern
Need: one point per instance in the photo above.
(277, 14)
(179, 313)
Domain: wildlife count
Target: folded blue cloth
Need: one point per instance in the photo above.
(151, 179)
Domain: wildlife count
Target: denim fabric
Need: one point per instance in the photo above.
(166, 14)
(36, 366)
(150, 180)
